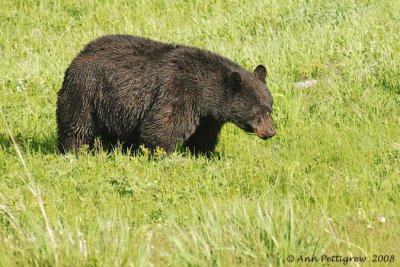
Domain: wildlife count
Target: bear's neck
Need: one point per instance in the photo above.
(212, 101)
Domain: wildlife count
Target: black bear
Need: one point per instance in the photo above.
(136, 91)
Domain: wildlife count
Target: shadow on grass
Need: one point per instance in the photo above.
(34, 144)
(47, 145)
(139, 151)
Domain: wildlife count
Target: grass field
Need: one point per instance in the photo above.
(327, 184)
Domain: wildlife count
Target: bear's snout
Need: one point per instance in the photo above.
(265, 129)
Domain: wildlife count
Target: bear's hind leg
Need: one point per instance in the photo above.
(74, 137)
(75, 122)
(75, 125)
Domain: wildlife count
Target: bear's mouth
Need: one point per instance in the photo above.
(249, 129)
(264, 134)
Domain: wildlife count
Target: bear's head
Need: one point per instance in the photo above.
(250, 102)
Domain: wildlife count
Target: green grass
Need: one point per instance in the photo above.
(323, 185)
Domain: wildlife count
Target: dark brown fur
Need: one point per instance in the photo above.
(137, 91)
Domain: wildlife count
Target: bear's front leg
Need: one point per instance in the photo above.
(205, 138)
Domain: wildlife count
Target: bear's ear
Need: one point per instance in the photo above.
(235, 80)
(261, 72)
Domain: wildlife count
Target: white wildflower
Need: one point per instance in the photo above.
(382, 219)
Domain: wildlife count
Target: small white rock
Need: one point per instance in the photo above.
(305, 84)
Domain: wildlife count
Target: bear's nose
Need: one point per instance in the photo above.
(266, 134)
(266, 129)
(271, 132)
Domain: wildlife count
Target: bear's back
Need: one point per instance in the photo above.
(127, 44)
